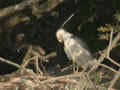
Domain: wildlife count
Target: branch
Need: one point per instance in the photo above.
(9, 62)
(48, 5)
(111, 45)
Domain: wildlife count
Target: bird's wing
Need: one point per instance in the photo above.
(81, 42)
(68, 53)
(77, 52)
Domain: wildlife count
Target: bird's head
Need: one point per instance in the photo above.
(62, 35)
(59, 35)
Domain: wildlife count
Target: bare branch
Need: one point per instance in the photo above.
(9, 62)
(114, 80)
(113, 61)
(105, 51)
(29, 3)
(110, 42)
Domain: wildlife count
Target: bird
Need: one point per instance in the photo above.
(76, 50)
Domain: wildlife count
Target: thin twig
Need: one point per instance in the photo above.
(63, 77)
(103, 56)
(36, 63)
(10, 62)
(113, 61)
(26, 60)
(66, 68)
(110, 42)
(43, 58)
(111, 69)
(114, 80)
(115, 40)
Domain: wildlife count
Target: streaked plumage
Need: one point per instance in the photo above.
(75, 49)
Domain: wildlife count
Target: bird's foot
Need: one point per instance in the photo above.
(75, 69)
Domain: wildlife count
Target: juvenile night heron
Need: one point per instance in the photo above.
(75, 50)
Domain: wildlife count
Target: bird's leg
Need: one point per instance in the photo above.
(75, 68)
(83, 68)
